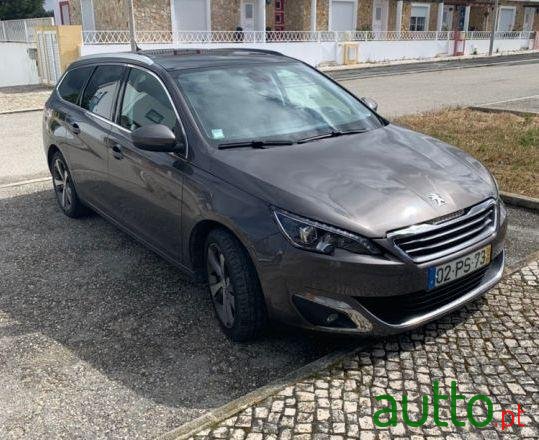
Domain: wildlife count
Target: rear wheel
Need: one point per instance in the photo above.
(66, 196)
(234, 287)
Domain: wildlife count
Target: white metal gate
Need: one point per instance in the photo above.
(48, 56)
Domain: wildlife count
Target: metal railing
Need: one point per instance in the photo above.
(188, 37)
(22, 31)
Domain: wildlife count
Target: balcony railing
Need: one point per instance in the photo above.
(202, 37)
(22, 31)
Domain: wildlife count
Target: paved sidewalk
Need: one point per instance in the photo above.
(23, 98)
(491, 347)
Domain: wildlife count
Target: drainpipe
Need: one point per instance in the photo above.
(131, 19)
(494, 22)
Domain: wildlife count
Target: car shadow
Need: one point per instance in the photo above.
(129, 314)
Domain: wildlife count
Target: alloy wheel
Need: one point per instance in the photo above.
(221, 289)
(62, 184)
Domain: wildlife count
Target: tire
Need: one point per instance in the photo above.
(238, 282)
(64, 188)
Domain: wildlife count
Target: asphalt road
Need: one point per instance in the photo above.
(100, 336)
(421, 92)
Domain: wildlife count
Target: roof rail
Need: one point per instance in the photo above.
(200, 51)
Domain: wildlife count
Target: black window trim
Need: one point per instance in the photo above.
(61, 80)
(119, 97)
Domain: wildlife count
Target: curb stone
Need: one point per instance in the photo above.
(217, 415)
(520, 200)
(226, 411)
(24, 110)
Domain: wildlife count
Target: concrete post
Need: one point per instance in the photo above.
(440, 17)
(131, 21)
(398, 19)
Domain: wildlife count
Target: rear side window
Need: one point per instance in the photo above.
(100, 92)
(72, 84)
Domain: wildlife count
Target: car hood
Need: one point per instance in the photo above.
(369, 183)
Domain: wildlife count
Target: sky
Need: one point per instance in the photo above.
(48, 5)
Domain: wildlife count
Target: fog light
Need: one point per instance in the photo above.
(320, 315)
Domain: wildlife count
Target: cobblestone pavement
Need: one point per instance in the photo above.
(490, 347)
(23, 98)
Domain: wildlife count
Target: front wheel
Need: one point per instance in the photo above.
(234, 287)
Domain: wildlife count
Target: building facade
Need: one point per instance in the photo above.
(305, 15)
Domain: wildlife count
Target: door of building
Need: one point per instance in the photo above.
(379, 15)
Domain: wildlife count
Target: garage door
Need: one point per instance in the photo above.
(191, 15)
(342, 15)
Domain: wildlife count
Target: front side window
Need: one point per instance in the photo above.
(73, 82)
(288, 100)
(100, 92)
(145, 102)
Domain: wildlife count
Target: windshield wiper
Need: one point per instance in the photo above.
(253, 144)
(331, 134)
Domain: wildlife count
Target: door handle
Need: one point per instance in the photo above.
(75, 129)
(117, 152)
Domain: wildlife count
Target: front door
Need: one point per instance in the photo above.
(379, 15)
(529, 15)
(145, 186)
(248, 11)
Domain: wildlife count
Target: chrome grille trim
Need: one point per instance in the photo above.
(427, 241)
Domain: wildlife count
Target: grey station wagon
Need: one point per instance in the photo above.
(291, 198)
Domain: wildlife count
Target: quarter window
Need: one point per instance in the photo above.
(73, 82)
(100, 92)
(145, 102)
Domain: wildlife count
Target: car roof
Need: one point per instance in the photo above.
(178, 59)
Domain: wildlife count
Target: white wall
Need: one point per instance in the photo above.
(16, 66)
(481, 46)
(311, 53)
(330, 52)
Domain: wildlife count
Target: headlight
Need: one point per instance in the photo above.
(317, 237)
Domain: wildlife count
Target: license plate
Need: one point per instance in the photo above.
(445, 273)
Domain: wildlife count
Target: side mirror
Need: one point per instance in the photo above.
(371, 103)
(156, 137)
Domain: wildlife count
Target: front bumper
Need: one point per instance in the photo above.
(348, 285)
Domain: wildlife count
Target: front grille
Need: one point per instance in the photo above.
(401, 308)
(429, 241)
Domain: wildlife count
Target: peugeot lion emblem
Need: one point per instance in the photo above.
(436, 199)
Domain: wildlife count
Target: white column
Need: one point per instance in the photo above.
(398, 20)
(440, 17)
(262, 15)
(466, 18)
(313, 15)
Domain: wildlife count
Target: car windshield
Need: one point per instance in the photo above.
(287, 101)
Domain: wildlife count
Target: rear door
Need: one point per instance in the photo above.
(146, 187)
(91, 127)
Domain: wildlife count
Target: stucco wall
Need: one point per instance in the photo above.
(322, 15)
